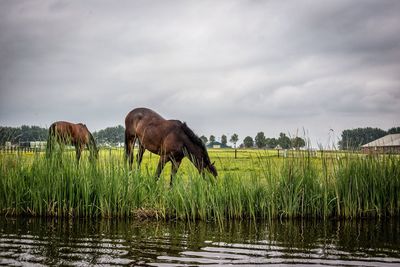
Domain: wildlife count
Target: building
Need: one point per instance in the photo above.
(38, 144)
(216, 144)
(30, 145)
(387, 144)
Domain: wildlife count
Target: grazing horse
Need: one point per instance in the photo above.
(171, 139)
(78, 135)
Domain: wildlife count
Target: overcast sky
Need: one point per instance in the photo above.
(224, 67)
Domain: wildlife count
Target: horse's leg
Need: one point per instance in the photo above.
(127, 147)
(49, 149)
(91, 151)
(161, 163)
(174, 169)
(130, 144)
(78, 153)
(140, 155)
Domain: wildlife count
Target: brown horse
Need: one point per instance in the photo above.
(171, 139)
(78, 135)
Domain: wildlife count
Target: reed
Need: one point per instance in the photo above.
(256, 185)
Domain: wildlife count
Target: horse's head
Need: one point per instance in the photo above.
(94, 153)
(211, 168)
(198, 151)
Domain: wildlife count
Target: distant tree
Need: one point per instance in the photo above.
(271, 142)
(204, 139)
(24, 133)
(224, 140)
(248, 142)
(260, 140)
(212, 138)
(9, 134)
(394, 130)
(284, 141)
(234, 139)
(298, 142)
(33, 133)
(110, 135)
(355, 138)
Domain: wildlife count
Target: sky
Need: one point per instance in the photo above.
(305, 68)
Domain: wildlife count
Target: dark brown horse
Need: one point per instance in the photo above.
(68, 133)
(171, 139)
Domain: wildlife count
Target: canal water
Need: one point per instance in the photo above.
(76, 242)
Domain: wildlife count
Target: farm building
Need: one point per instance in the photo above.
(216, 144)
(32, 144)
(387, 144)
(38, 144)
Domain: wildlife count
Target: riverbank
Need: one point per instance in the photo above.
(256, 185)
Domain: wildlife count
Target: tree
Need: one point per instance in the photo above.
(234, 139)
(224, 140)
(204, 139)
(33, 133)
(260, 140)
(9, 134)
(298, 142)
(212, 138)
(355, 138)
(284, 141)
(271, 142)
(24, 133)
(110, 135)
(394, 130)
(248, 142)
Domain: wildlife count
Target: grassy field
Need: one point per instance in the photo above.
(258, 184)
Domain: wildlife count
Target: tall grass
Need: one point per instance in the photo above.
(258, 185)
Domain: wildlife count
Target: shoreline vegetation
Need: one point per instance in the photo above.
(256, 185)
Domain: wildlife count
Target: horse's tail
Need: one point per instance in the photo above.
(126, 144)
(50, 139)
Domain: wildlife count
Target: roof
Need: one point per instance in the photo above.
(388, 140)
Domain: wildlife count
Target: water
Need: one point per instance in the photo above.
(38, 242)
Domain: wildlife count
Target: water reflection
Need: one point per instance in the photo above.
(39, 242)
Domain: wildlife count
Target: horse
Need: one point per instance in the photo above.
(171, 139)
(78, 135)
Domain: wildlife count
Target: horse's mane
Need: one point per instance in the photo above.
(92, 141)
(193, 137)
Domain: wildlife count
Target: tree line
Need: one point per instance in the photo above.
(25, 133)
(259, 141)
(110, 135)
(351, 139)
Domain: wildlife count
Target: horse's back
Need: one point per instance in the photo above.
(61, 127)
(140, 117)
(154, 132)
(75, 131)
(142, 113)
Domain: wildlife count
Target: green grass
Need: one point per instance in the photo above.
(257, 184)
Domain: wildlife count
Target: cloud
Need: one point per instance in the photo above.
(224, 67)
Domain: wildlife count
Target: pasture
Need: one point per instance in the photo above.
(256, 185)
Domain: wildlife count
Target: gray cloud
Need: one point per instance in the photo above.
(222, 66)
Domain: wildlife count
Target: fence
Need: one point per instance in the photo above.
(14, 149)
